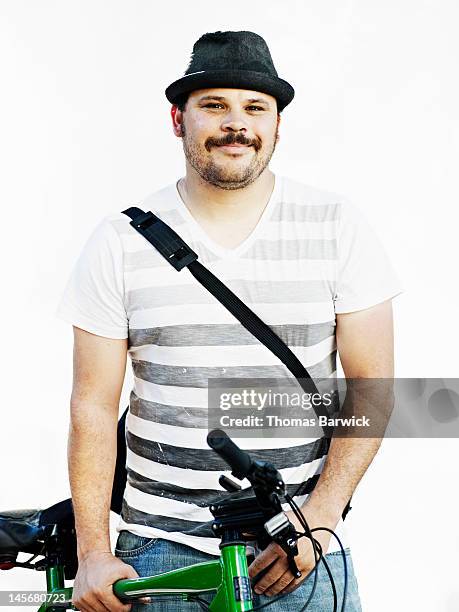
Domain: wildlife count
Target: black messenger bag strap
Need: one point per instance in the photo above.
(179, 255)
(171, 246)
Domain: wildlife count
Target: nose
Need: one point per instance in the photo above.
(234, 122)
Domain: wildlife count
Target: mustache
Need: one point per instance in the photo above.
(230, 139)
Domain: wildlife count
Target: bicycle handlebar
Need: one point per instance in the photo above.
(239, 461)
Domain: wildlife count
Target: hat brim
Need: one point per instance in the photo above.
(233, 79)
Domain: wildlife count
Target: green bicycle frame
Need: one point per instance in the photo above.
(228, 576)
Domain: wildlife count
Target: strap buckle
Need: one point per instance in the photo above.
(182, 257)
(143, 221)
(163, 237)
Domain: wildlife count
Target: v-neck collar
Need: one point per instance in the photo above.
(210, 244)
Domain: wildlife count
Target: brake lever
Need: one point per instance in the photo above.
(280, 530)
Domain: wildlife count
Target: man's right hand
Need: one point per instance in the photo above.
(93, 586)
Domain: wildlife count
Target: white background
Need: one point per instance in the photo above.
(85, 131)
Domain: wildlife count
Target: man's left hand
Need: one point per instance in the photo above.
(279, 578)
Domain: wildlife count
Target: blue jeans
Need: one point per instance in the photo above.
(150, 556)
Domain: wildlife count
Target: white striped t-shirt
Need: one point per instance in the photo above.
(311, 256)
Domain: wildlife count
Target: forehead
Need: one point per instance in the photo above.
(233, 95)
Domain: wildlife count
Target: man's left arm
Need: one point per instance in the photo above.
(365, 342)
(366, 348)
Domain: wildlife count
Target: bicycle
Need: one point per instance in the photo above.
(260, 517)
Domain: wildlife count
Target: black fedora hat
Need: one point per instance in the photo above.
(239, 60)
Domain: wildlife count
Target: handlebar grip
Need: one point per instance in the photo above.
(239, 461)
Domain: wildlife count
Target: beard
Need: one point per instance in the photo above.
(228, 176)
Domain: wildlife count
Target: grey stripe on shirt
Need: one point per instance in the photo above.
(227, 334)
(191, 458)
(205, 497)
(199, 376)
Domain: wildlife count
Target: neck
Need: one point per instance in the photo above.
(212, 203)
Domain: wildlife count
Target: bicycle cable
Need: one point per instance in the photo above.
(308, 533)
(302, 519)
(343, 555)
(332, 582)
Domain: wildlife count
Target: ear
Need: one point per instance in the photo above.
(177, 118)
(277, 127)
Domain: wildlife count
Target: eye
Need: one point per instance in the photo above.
(252, 107)
(212, 105)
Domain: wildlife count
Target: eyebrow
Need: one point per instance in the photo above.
(220, 98)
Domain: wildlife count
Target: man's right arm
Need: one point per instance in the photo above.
(99, 366)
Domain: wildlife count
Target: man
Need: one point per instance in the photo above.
(304, 260)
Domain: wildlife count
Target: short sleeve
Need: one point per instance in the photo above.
(365, 274)
(94, 295)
